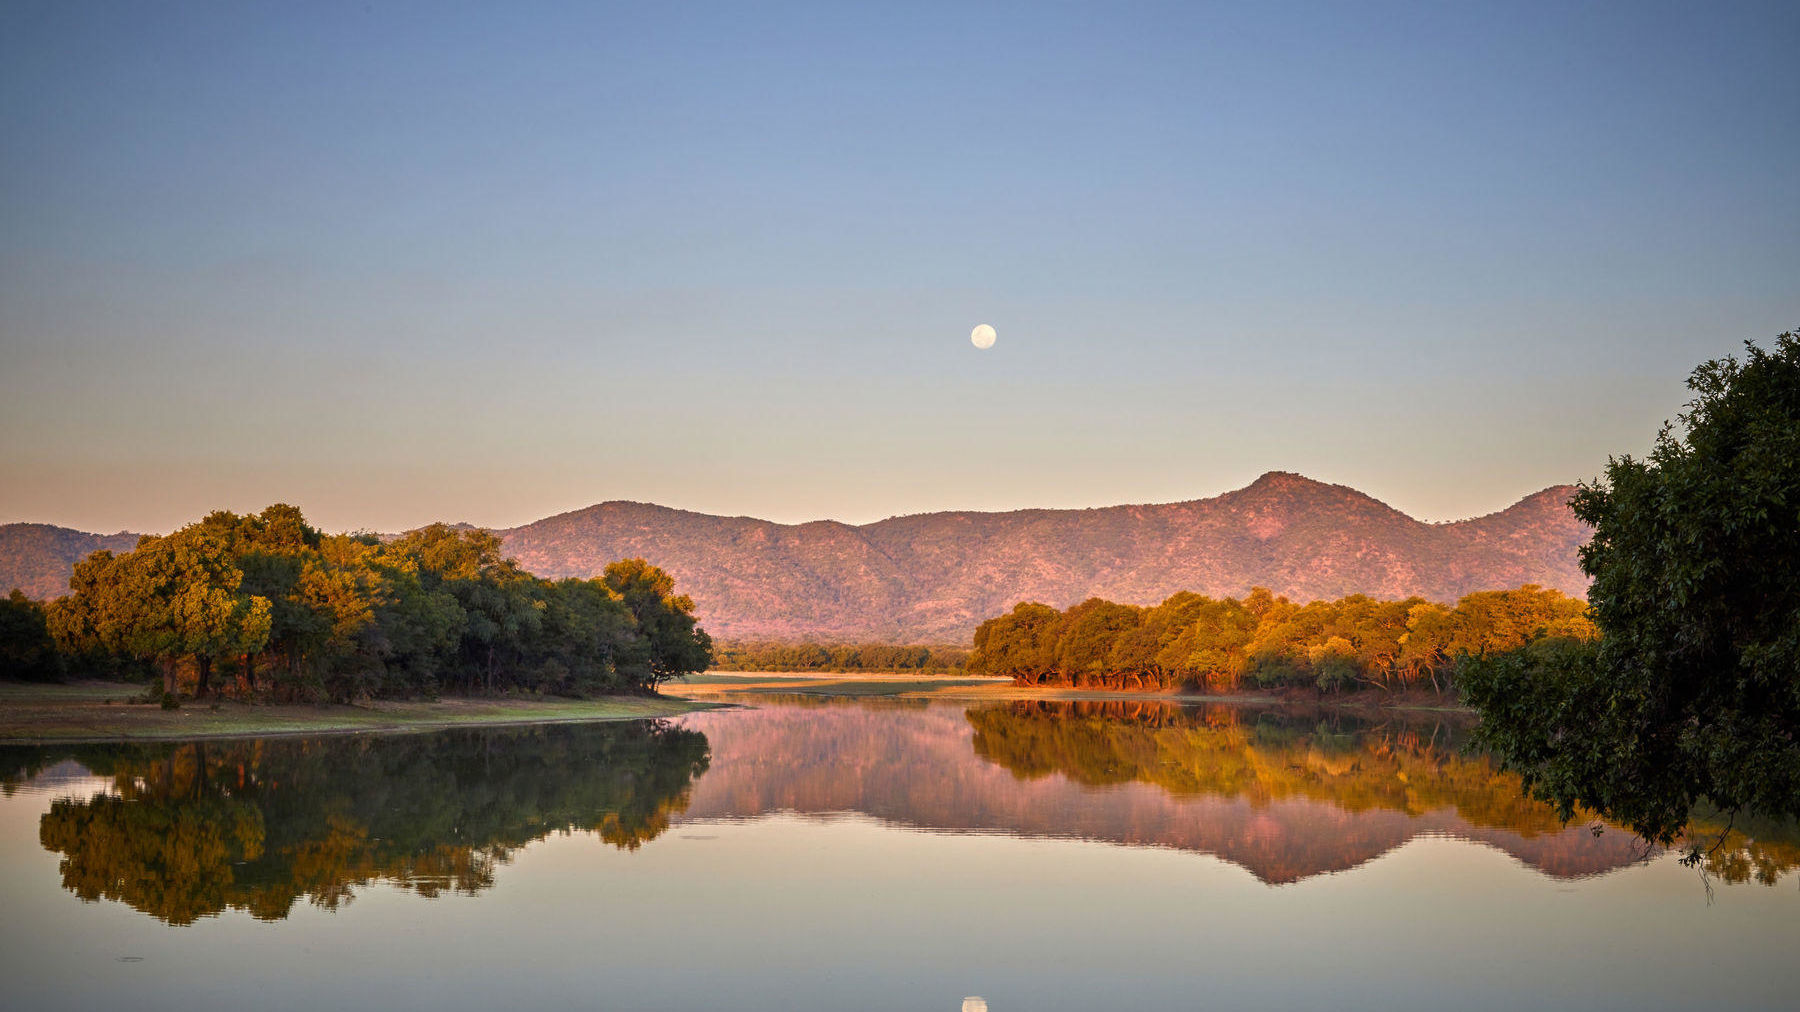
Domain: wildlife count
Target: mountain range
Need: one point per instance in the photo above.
(932, 577)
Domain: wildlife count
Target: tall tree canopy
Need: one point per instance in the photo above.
(674, 645)
(280, 607)
(1693, 691)
(177, 600)
(26, 649)
(1265, 640)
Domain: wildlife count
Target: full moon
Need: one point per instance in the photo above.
(982, 337)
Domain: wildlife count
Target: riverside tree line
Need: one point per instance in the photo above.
(1222, 644)
(265, 604)
(885, 657)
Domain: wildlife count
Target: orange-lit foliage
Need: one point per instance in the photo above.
(274, 606)
(1263, 640)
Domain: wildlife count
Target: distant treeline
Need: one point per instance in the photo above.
(267, 605)
(851, 657)
(1267, 641)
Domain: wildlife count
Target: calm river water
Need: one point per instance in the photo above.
(861, 854)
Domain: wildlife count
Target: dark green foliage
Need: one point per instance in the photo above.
(852, 657)
(1694, 690)
(1021, 643)
(674, 646)
(1267, 641)
(1088, 631)
(26, 649)
(277, 607)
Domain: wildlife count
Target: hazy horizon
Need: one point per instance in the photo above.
(395, 263)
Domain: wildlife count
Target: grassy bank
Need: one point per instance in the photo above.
(33, 714)
(729, 684)
(749, 684)
(716, 684)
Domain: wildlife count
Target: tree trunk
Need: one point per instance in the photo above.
(203, 665)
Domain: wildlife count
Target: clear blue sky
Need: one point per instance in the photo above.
(395, 262)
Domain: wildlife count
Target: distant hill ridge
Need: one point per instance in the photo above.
(932, 577)
(37, 558)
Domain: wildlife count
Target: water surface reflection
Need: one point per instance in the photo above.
(1285, 793)
(184, 832)
(187, 831)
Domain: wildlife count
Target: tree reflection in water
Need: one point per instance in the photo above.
(1262, 756)
(191, 830)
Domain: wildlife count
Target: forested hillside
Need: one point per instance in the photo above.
(932, 577)
(38, 558)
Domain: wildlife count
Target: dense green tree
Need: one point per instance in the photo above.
(1088, 631)
(1210, 643)
(26, 649)
(1693, 691)
(1021, 643)
(297, 614)
(676, 645)
(274, 550)
(174, 600)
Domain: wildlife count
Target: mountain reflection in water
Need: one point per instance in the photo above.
(1285, 794)
(190, 830)
(186, 831)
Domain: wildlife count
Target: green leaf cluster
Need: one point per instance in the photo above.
(1693, 692)
(272, 605)
(27, 651)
